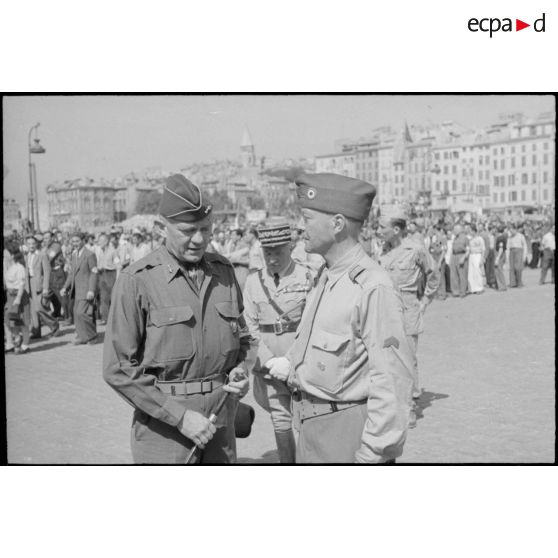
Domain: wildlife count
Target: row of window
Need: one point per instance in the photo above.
(495, 151)
(512, 196)
(501, 180)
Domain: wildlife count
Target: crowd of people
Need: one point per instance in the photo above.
(469, 257)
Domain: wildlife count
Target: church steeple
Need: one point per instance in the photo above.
(247, 151)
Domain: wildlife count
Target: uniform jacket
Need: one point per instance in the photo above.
(82, 276)
(41, 273)
(289, 294)
(351, 346)
(412, 270)
(161, 328)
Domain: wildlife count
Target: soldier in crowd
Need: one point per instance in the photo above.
(459, 262)
(80, 285)
(176, 340)
(413, 271)
(351, 363)
(38, 270)
(274, 300)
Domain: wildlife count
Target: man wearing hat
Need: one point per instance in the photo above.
(274, 300)
(412, 270)
(351, 361)
(176, 340)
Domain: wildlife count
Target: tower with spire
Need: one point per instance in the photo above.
(247, 151)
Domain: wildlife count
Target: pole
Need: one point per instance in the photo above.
(36, 197)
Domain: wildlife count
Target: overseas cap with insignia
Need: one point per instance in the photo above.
(182, 201)
(274, 234)
(334, 193)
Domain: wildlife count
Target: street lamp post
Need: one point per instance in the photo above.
(33, 149)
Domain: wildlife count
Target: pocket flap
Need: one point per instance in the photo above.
(171, 315)
(328, 341)
(227, 309)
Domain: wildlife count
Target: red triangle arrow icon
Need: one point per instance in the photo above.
(519, 25)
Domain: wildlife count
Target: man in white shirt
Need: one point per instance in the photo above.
(548, 247)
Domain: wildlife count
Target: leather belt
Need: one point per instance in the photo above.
(279, 327)
(307, 406)
(191, 387)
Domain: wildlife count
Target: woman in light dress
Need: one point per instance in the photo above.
(477, 251)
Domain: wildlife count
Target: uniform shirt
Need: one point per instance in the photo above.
(411, 269)
(351, 346)
(548, 241)
(162, 328)
(292, 289)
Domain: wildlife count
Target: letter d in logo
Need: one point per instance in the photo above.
(539, 23)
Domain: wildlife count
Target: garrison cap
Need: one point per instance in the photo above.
(274, 234)
(334, 193)
(182, 201)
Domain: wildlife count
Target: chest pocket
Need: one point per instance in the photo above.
(170, 337)
(228, 327)
(328, 361)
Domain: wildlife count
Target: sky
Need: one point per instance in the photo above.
(108, 136)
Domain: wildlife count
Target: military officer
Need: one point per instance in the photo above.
(351, 361)
(274, 300)
(176, 339)
(413, 271)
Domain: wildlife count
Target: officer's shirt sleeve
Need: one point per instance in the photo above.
(123, 350)
(389, 393)
(431, 272)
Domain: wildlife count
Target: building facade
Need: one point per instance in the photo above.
(11, 215)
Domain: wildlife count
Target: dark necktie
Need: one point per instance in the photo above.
(276, 279)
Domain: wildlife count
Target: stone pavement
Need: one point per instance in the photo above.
(487, 372)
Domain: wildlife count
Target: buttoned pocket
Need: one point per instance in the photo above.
(328, 360)
(228, 326)
(171, 337)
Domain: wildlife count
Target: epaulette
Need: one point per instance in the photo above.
(151, 260)
(355, 272)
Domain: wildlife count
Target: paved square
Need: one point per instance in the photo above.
(486, 364)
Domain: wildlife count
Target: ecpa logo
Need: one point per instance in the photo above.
(494, 24)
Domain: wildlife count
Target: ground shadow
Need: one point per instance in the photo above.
(426, 399)
(47, 346)
(268, 457)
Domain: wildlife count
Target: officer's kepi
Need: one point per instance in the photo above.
(334, 193)
(182, 201)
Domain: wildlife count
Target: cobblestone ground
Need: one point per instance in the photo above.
(487, 373)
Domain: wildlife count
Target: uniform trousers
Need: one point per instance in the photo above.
(154, 441)
(516, 267)
(458, 275)
(39, 314)
(275, 397)
(107, 278)
(84, 319)
(547, 263)
(413, 343)
(332, 438)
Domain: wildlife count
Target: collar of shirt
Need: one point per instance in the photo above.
(172, 266)
(344, 264)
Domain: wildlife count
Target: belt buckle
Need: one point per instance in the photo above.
(278, 327)
(203, 391)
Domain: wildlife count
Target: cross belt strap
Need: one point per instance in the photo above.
(191, 387)
(307, 406)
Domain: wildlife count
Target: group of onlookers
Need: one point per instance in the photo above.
(472, 256)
